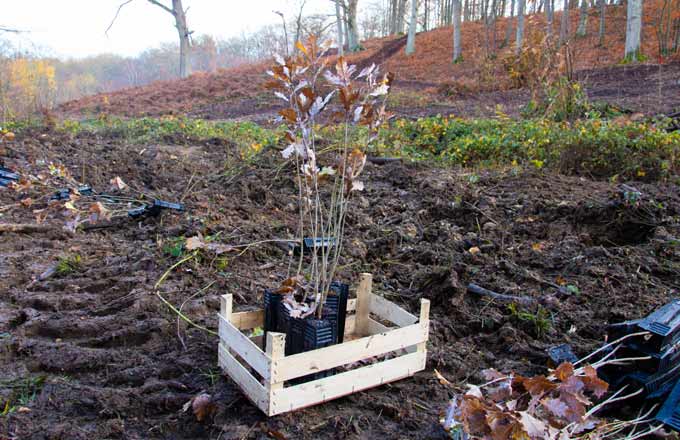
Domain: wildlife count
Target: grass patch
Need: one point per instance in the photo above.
(68, 265)
(22, 392)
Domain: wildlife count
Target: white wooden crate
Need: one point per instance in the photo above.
(261, 374)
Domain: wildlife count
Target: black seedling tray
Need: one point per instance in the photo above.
(663, 324)
(669, 414)
(271, 312)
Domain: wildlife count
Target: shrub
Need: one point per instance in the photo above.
(595, 147)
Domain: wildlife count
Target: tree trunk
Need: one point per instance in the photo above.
(393, 16)
(549, 16)
(633, 29)
(178, 12)
(456, 31)
(427, 16)
(338, 17)
(520, 26)
(508, 30)
(413, 23)
(400, 16)
(352, 31)
(183, 32)
(583, 19)
(564, 25)
(603, 5)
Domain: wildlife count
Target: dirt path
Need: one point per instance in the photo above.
(95, 354)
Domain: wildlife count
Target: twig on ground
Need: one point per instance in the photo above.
(524, 300)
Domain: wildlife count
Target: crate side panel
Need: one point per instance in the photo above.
(322, 390)
(232, 338)
(322, 359)
(248, 320)
(246, 382)
(391, 312)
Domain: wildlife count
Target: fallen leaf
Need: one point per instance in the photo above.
(564, 371)
(99, 212)
(442, 379)
(194, 243)
(474, 250)
(27, 202)
(555, 406)
(117, 183)
(203, 406)
(534, 427)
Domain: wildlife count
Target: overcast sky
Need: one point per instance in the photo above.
(75, 28)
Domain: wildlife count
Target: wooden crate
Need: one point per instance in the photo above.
(263, 375)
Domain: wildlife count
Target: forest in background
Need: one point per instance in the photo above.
(31, 82)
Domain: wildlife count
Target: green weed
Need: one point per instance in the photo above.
(68, 265)
(538, 322)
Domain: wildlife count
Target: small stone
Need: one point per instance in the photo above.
(358, 249)
(410, 231)
(363, 202)
(489, 226)
(474, 250)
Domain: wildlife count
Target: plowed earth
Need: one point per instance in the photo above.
(95, 354)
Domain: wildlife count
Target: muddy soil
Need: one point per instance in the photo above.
(94, 353)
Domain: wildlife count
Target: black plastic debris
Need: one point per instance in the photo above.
(669, 414)
(656, 369)
(65, 193)
(321, 244)
(154, 209)
(7, 176)
(561, 353)
(663, 324)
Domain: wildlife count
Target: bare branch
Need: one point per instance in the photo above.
(161, 5)
(14, 31)
(116, 16)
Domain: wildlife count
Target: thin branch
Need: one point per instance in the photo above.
(116, 16)
(11, 30)
(161, 5)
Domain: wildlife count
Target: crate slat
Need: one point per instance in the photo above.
(390, 311)
(248, 320)
(342, 384)
(374, 327)
(232, 337)
(248, 384)
(322, 359)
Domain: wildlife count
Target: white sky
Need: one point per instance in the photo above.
(75, 28)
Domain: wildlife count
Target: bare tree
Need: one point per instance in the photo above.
(564, 25)
(583, 19)
(413, 24)
(180, 16)
(633, 29)
(351, 26)
(508, 30)
(338, 17)
(603, 5)
(549, 16)
(520, 25)
(457, 51)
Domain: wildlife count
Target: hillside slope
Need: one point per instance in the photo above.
(237, 92)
